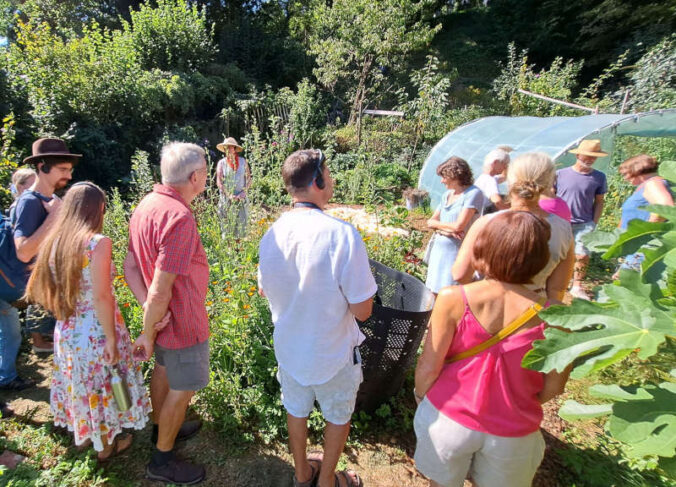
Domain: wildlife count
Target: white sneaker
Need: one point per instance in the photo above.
(578, 292)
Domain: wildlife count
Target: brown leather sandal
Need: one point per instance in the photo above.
(315, 466)
(117, 448)
(348, 479)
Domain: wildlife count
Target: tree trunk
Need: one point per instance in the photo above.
(361, 90)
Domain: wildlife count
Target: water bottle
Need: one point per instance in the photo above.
(120, 391)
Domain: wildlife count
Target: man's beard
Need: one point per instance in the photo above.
(61, 183)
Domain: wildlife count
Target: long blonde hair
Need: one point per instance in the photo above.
(55, 280)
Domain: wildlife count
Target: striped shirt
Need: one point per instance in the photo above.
(163, 235)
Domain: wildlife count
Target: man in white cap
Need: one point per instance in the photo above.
(583, 189)
(495, 163)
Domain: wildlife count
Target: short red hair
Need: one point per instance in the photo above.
(513, 247)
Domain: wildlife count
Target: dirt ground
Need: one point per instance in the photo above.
(379, 464)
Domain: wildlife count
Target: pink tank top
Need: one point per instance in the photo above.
(556, 206)
(490, 392)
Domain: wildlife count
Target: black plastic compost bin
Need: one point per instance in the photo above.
(401, 310)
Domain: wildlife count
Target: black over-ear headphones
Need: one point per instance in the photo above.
(318, 178)
(45, 168)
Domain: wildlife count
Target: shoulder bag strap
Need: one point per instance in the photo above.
(521, 320)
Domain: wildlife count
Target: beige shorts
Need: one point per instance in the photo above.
(447, 453)
(336, 397)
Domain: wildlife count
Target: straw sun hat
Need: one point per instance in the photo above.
(229, 141)
(590, 147)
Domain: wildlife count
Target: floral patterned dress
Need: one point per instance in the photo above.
(81, 396)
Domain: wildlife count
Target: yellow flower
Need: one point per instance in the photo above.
(209, 303)
(250, 293)
(85, 261)
(93, 401)
(246, 317)
(214, 282)
(225, 300)
(246, 306)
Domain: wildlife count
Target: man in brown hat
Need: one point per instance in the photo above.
(583, 189)
(36, 211)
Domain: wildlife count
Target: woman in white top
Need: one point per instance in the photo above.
(233, 178)
(528, 176)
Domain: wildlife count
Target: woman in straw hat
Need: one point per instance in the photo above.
(233, 178)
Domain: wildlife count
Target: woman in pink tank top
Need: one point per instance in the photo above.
(480, 416)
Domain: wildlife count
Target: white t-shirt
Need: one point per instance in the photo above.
(559, 245)
(311, 266)
(487, 184)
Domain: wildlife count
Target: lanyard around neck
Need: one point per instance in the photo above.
(306, 204)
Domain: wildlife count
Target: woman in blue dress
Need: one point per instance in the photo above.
(651, 189)
(459, 207)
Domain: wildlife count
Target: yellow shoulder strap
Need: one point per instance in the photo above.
(522, 319)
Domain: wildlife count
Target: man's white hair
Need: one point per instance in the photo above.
(179, 160)
(495, 155)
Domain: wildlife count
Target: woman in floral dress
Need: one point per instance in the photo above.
(72, 278)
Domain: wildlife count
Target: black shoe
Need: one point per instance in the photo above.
(5, 411)
(188, 430)
(18, 384)
(177, 472)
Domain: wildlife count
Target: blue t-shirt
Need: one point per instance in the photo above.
(29, 213)
(630, 208)
(579, 192)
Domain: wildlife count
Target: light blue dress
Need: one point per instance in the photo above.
(445, 249)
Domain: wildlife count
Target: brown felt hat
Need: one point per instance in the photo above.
(227, 142)
(50, 148)
(590, 147)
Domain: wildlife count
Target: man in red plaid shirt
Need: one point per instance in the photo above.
(167, 270)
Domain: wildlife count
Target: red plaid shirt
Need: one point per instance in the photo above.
(163, 235)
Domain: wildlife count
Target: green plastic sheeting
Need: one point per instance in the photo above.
(553, 135)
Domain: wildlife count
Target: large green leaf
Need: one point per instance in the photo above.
(668, 170)
(572, 410)
(655, 254)
(648, 426)
(615, 392)
(638, 233)
(602, 334)
(599, 241)
(667, 212)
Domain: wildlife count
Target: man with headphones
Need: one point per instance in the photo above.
(36, 211)
(315, 273)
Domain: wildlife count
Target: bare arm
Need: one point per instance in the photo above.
(598, 207)
(558, 280)
(458, 226)
(362, 310)
(157, 302)
(219, 177)
(248, 176)
(555, 383)
(102, 291)
(27, 247)
(657, 194)
(447, 310)
(132, 274)
(462, 269)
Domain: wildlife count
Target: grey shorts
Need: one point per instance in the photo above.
(187, 368)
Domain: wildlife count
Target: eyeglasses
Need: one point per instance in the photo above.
(318, 167)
